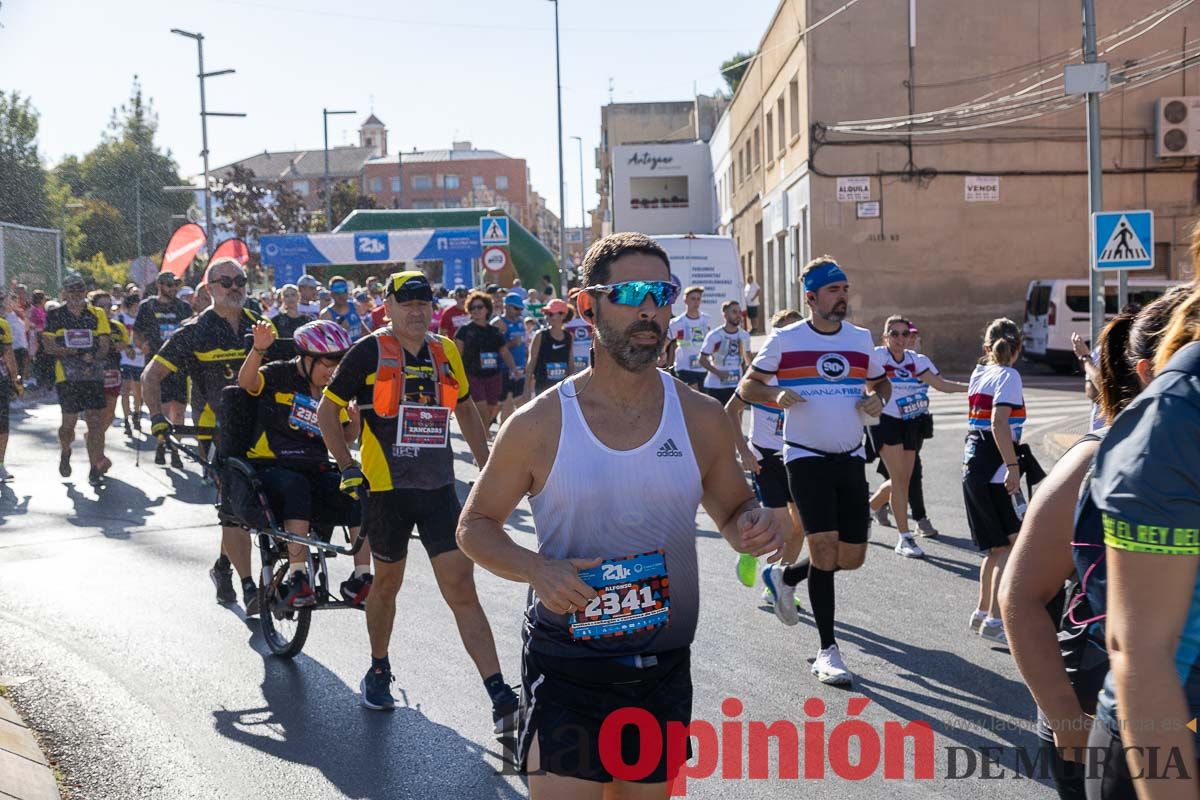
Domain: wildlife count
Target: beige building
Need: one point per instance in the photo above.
(946, 217)
(646, 123)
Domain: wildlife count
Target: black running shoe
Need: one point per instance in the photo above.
(64, 463)
(298, 593)
(95, 477)
(250, 598)
(376, 692)
(128, 429)
(137, 422)
(160, 454)
(505, 712)
(355, 589)
(176, 461)
(222, 578)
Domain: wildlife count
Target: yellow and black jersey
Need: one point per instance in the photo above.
(209, 351)
(285, 425)
(386, 464)
(80, 333)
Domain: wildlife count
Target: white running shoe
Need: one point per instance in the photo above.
(977, 618)
(829, 668)
(925, 528)
(784, 595)
(993, 632)
(908, 548)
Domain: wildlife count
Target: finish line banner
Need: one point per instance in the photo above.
(456, 248)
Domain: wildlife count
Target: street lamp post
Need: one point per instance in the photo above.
(325, 114)
(562, 205)
(582, 208)
(204, 115)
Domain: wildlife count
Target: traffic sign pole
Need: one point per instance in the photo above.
(1095, 171)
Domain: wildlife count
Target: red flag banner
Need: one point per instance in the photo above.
(185, 243)
(232, 248)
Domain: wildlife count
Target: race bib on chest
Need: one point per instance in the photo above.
(304, 414)
(422, 426)
(78, 339)
(581, 362)
(165, 329)
(698, 335)
(693, 363)
(912, 406)
(556, 371)
(489, 361)
(112, 379)
(631, 595)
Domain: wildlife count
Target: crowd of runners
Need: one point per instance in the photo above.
(618, 422)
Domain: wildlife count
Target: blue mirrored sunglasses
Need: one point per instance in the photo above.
(634, 293)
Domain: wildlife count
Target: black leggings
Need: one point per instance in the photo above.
(1111, 779)
(1067, 775)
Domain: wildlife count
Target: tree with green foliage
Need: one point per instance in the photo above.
(125, 164)
(347, 198)
(732, 69)
(22, 177)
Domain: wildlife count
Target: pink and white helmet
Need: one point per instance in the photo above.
(322, 338)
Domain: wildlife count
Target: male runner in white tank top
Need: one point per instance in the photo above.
(616, 461)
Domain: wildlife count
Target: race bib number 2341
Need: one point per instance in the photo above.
(632, 594)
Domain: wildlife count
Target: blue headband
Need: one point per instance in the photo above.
(827, 273)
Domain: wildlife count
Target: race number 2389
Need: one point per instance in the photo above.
(632, 594)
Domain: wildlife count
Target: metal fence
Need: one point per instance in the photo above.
(32, 256)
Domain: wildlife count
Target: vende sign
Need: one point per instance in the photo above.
(853, 190)
(982, 188)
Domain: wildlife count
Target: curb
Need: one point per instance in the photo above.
(25, 771)
(1058, 443)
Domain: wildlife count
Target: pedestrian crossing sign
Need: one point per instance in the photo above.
(493, 230)
(1122, 240)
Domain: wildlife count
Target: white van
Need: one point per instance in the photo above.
(1057, 307)
(708, 261)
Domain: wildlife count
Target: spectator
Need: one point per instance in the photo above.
(43, 365)
(518, 289)
(547, 287)
(20, 339)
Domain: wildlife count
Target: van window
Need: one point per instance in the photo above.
(1039, 301)
(1077, 297)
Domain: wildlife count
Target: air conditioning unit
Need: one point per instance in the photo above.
(1177, 127)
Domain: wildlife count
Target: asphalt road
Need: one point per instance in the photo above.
(144, 687)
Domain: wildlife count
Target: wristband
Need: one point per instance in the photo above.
(261, 352)
(1014, 464)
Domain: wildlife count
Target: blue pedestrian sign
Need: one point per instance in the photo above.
(493, 230)
(1122, 240)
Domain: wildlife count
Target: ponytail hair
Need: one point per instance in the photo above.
(1183, 329)
(1001, 340)
(1118, 377)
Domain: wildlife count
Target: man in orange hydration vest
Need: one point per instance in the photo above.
(407, 383)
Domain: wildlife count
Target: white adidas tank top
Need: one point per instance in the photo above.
(612, 504)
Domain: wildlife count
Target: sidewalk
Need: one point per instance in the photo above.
(24, 771)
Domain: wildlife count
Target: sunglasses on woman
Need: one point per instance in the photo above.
(477, 307)
(634, 293)
(228, 282)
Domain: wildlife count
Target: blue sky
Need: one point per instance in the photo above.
(432, 71)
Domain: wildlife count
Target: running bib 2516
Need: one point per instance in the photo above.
(423, 426)
(304, 414)
(632, 594)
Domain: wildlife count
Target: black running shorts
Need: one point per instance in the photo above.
(392, 515)
(722, 395)
(75, 397)
(896, 431)
(174, 389)
(831, 494)
(771, 482)
(692, 378)
(310, 495)
(565, 701)
(990, 513)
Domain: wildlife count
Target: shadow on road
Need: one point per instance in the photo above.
(310, 716)
(10, 504)
(116, 508)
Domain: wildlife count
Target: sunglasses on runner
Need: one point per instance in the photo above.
(228, 282)
(634, 293)
(897, 333)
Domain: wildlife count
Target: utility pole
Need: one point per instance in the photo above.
(204, 115)
(137, 197)
(1095, 176)
(325, 114)
(562, 203)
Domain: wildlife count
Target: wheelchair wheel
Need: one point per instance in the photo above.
(285, 629)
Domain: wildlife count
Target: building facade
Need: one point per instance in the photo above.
(965, 176)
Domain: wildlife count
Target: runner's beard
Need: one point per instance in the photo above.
(619, 344)
(836, 314)
(233, 298)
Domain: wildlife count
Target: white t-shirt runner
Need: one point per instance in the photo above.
(726, 350)
(993, 385)
(688, 335)
(910, 396)
(830, 371)
(580, 331)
